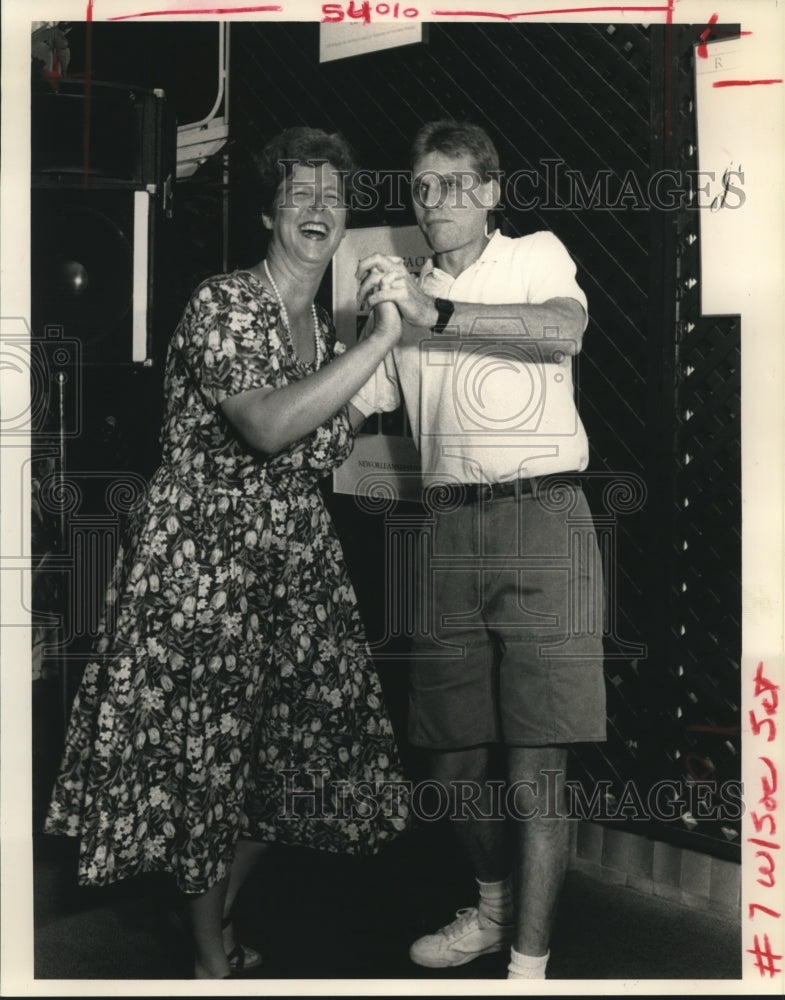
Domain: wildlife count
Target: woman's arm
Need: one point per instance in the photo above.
(271, 419)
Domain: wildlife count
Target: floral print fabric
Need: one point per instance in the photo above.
(231, 692)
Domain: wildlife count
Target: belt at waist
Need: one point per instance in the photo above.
(463, 493)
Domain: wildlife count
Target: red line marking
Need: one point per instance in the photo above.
(540, 13)
(743, 83)
(87, 96)
(204, 10)
(703, 49)
(764, 843)
(666, 83)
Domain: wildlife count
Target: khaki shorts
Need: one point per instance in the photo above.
(513, 650)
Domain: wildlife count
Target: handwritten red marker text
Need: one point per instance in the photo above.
(365, 12)
(766, 842)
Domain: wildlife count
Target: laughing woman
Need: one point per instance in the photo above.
(237, 668)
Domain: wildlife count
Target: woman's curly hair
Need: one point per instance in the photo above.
(301, 144)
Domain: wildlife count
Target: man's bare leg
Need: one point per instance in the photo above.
(480, 829)
(485, 841)
(542, 842)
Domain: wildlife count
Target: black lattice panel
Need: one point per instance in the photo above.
(708, 493)
(704, 646)
(673, 714)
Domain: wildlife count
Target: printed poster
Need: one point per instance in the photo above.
(384, 461)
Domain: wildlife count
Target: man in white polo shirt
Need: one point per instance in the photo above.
(513, 657)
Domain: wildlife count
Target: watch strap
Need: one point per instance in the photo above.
(445, 309)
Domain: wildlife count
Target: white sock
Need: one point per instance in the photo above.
(527, 966)
(496, 901)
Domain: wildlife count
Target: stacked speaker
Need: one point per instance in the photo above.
(103, 163)
(103, 167)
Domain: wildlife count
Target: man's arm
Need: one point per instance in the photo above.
(381, 393)
(356, 417)
(555, 326)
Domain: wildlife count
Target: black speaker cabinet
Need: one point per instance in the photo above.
(103, 166)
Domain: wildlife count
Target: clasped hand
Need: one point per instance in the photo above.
(385, 278)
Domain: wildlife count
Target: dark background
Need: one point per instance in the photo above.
(656, 381)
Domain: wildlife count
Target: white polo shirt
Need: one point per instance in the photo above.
(486, 408)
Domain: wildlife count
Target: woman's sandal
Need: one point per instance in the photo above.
(242, 957)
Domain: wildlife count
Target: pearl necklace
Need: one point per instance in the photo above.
(285, 318)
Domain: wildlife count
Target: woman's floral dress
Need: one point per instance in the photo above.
(231, 692)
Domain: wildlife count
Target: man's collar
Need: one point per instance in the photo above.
(488, 256)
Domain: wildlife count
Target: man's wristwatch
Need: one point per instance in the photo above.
(445, 309)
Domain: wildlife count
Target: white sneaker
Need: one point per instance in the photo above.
(466, 938)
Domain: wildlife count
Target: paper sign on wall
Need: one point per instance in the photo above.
(385, 461)
(738, 145)
(354, 38)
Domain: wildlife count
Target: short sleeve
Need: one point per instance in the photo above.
(380, 394)
(228, 339)
(550, 271)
